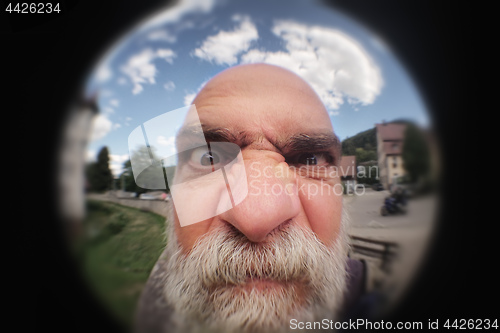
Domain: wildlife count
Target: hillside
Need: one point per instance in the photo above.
(367, 140)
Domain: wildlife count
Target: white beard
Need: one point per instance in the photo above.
(205, 288)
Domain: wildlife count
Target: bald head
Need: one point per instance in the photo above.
(267, 83)
(266, 98)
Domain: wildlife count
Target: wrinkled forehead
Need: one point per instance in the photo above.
(278, 105)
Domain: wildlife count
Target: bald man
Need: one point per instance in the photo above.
(279, 257)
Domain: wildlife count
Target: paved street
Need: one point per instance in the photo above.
(411, 232)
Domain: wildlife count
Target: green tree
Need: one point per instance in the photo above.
(415, 154)
(126, 180)
(99, 176)
(348, 147)
(363, 155)
(153, 172)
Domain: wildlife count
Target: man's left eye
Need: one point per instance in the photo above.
(204, 157)
(313, 159)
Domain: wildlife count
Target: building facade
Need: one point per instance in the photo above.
(390, 138)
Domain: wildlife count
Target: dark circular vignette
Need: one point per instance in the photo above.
(456, 279)
(423, 37)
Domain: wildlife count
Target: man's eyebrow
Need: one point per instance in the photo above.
(311, 142)
(210, 133)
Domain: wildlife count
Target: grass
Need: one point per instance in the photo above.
(117, 251)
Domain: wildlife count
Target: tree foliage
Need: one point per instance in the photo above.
(363, 155)
(98, 173)
(415, 154)
(366, 140)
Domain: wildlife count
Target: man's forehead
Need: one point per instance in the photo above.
(262, 102)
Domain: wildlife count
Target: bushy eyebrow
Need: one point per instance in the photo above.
(301, 142)
(311, 142)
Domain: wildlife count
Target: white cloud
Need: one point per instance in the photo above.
(188, 99)
(103, 72)
(177, 12)
(114, 102)
(116, 163)
(116, 169)
(116, 126)
(90, 156)
(128, 118)
(140, 67)
(161, 35)
(118, 158)
(169, 86)
(101, 126)
(166, 54)
(167, 142)
(333, 63)
(224, 47)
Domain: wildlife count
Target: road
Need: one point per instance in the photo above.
(412, 232)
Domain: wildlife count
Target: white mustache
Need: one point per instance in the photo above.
(227, 257)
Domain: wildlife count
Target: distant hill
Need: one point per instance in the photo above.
(366, 140)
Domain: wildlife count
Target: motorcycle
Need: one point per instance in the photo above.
(393, 206)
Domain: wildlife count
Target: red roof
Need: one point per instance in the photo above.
(347, 166)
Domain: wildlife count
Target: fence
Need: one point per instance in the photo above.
(158, 206)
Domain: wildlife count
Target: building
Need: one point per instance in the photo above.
(390, 139)
(347, 172)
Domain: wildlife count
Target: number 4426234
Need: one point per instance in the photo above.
(462, 324)
(33, 8)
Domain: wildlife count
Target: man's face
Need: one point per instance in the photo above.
(279, 124)
(293, 209)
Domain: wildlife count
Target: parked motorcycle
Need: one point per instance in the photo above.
(393, 206)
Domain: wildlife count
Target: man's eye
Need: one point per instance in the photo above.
(204, 157)
(313, 159)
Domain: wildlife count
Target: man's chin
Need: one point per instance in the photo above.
(259, 304)
(267, 288)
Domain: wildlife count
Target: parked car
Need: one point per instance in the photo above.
(156, 195)
(377, 187)
(360, 187)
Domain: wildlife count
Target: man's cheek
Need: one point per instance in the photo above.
(322, 204)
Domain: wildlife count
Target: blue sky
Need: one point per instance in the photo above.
(161, 63)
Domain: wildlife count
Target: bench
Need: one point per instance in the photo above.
(384, 250)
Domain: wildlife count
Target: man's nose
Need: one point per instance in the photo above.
(272, 196)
